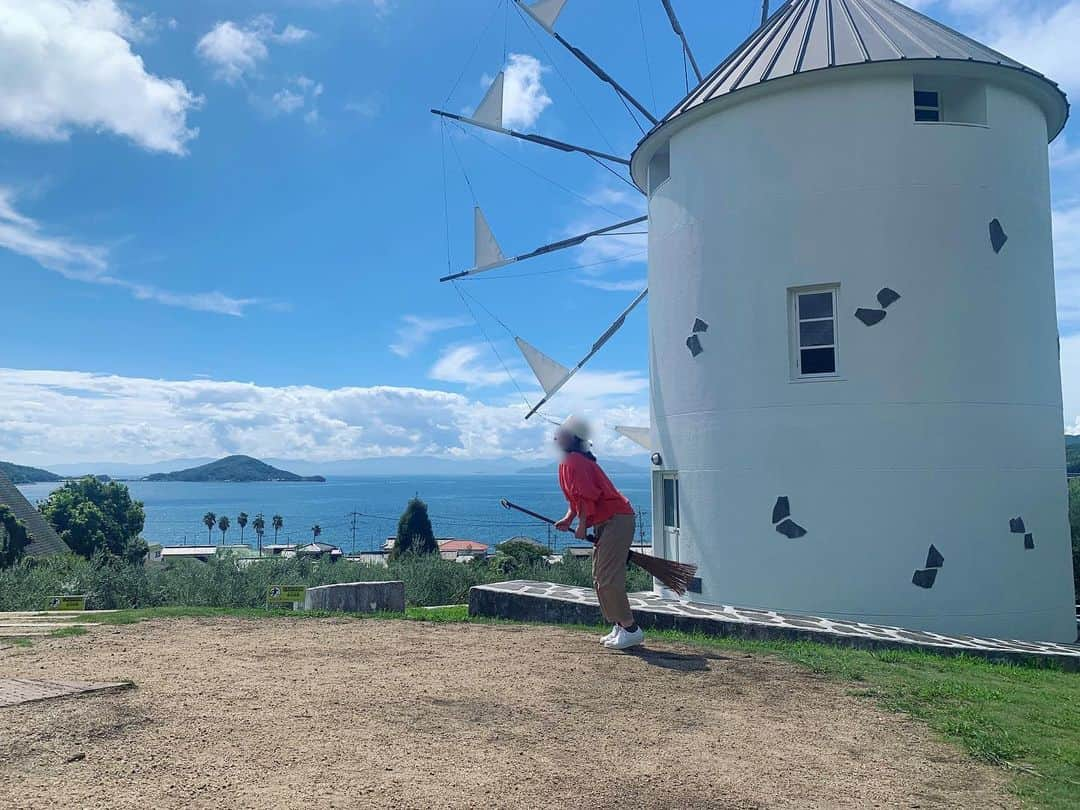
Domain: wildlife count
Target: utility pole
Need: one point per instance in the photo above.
(354, 514)
(764, 11)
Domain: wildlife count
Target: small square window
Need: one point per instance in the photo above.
(813, 332)
(927, 105)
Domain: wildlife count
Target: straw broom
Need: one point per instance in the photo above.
(674, 575)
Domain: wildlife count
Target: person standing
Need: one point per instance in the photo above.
(596, 504)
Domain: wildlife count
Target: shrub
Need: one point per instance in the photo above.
(113, 582)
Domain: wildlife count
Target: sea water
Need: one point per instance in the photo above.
(464, 507)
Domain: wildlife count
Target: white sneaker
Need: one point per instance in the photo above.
(624, 639)
(611, 634)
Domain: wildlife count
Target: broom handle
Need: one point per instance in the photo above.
(511, 505)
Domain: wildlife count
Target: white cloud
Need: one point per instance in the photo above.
(364, 108)
(89, 263)
(235, 51)
(69, 416)
(1070, 382)
(605, 259)
(286, 101)
(415, 331)
(1067, 265)
(1063, 155)
(465, 365)
(524, 96)
(69, 65)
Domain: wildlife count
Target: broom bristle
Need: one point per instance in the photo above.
(675, 575)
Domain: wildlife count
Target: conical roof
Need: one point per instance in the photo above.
(812, 35)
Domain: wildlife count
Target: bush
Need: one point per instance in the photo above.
(112, 582)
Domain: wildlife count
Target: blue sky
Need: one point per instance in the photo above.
(221, 223)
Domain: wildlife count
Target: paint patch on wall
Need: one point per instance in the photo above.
(887, 296)
(790, 529)
(1029, 541)
(781, 509)
(693, 343)
(700, 326)
(781, 516)
(1016, 525)
(870, 317)
(925, 577)
(998, 237)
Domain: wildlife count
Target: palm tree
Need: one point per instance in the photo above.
(209, 519)
(259, 525)
(223, 524)
(316, 530)
(277, 521)
(241, 521)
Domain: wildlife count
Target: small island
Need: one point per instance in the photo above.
(234, 469)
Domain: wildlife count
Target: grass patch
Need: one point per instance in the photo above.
(16, 641)
(67, 632)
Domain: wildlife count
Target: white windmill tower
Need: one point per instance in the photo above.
(855, 392)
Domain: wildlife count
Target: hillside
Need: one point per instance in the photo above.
(27, 475)
(236, 469)
(612, 466)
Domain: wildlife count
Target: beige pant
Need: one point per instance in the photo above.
(614, 538)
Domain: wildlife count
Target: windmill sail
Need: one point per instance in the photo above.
(545, 12)
(641, 436)
(490, 111)
(604, 338)
(550, 373)
(488, 255)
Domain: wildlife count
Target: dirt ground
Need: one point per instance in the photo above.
(237, 713)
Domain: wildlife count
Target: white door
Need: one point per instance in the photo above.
(669, 511)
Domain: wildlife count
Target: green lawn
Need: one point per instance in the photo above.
(1024, 718)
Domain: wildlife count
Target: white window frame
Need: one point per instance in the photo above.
(795, 337)
(937, 108)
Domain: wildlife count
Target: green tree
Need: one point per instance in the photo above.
(242, 521)
(414, 532)
(316, 530)
(210, 521)
(92, 515)
(223, 527)
(13, 538)
(278, 522)
(259, 525)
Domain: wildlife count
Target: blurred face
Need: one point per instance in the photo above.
(563, 440)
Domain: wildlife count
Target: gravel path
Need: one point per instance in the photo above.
(338, 713)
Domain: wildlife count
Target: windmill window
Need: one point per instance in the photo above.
(949, 100)
(813, 332)
(927, 105)
(659, 169)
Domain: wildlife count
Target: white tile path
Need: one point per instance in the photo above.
(495, 600)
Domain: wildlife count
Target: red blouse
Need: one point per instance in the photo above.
(589, 491)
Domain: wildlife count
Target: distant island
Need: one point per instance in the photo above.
(27, 475)
(233, 469)
(610, 465)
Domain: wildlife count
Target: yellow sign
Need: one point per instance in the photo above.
(284, 594)
(67, 603)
